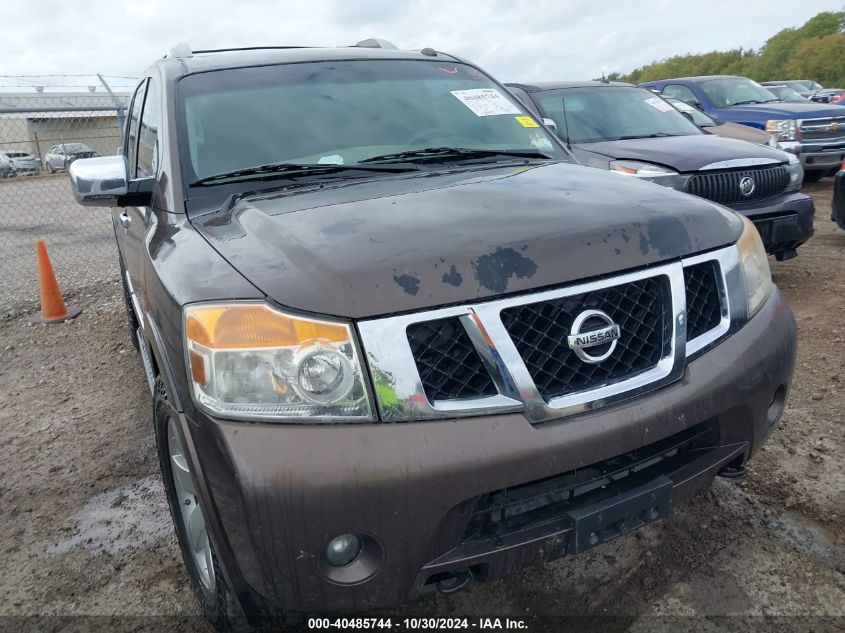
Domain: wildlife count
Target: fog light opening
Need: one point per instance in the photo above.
(342, 550)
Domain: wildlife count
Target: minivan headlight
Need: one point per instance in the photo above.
(647, 171)
(755, 267)
(248, 360)
(783, 129)
(796, 173)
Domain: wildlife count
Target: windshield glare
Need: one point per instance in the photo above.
(611, 113)
(344, 112)
(786, 94)
(735, 90)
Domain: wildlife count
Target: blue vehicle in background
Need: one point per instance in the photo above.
(816, 131)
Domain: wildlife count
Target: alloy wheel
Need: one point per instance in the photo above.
(193, 521)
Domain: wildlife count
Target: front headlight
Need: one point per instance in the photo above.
(796, 173)
(248, 360)
(783, 129)
(647, 171)
(755, 267)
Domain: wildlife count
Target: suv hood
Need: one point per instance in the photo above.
(401, 243)
(682, 153)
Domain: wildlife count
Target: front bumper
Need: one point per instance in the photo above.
(277, 494)
(784, 222)
(821, 157)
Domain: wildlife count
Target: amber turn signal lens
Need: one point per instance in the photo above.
(255, 326)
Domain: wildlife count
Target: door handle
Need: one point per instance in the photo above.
(125, 220)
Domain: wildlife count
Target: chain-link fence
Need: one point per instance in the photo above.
(40, 135)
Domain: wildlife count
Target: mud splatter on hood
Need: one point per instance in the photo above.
(411, 242)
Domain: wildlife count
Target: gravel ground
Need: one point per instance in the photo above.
(84, 529)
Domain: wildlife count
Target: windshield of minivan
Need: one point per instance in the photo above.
(345, 112)
(730, 91)
(611, 113)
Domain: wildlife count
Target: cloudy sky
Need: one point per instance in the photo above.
(512, 39)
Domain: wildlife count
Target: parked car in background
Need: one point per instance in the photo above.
(725, 130)
(22, 163)
(787, 94)
(837, 211)
(819, 129)
(804, 87)
(61, 156)
(6, 170)
(833, 95)
(398, 341)
(631, 131)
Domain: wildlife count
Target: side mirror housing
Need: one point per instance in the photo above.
(551, 125)
(104, 182)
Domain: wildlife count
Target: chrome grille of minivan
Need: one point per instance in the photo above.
(724, 187)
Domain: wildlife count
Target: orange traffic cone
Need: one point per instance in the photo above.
(53, 308)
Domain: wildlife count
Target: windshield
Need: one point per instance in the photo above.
(786, 94)
(698, 117)
(346, 112)
(589, 115)
(75, 147)
(730, 91)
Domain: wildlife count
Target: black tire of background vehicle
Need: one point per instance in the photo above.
(221, 606)
(814, 176)
(131, 317)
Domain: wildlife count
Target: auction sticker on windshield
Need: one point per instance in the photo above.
(660, 104)
(485, 101)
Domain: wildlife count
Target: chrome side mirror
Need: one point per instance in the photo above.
(551, 125)
(99, 182)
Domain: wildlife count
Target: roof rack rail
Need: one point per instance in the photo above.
(248, 48)
(375, 42)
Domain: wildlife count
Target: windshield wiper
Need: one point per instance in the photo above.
(458, 153)
(748, 102)
(655, 135)
(293, 169)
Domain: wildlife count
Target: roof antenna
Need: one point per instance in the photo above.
(603, 78)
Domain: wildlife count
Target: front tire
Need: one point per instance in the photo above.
(213, 595)
(217, 601)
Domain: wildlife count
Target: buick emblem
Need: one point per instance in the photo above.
(747, 186)
(834, 127)
(593, 328)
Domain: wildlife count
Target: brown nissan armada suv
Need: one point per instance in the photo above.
(398, 341)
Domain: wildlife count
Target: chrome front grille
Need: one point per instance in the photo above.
(540, 330)
(827, 129)
(725, 187)
(449, 365)
(512, 354)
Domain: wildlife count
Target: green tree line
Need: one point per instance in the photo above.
(815, 50)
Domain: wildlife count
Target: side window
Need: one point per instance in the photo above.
(148, 133)
(680, 92)
(130, 147)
